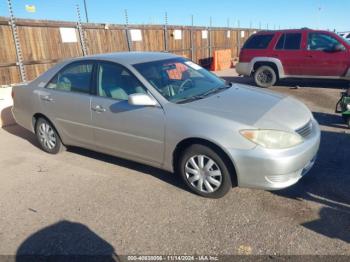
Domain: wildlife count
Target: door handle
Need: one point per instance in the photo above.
(46, 98)
(98, 109)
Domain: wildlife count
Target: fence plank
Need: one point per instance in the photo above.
(42, 46)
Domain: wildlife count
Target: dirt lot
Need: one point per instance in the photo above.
(88, 203)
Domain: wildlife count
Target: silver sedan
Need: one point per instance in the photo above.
(166, 111)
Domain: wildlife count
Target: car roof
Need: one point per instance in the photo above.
(128, 58)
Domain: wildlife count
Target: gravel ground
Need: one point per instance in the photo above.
(81, 202)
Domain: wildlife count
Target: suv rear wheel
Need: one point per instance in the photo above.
(265, 76)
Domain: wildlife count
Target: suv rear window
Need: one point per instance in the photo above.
(258, 42)
(290, 41)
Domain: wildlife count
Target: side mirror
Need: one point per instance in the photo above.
(338, 48)
(142, 100)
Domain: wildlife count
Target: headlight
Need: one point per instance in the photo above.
(272, 139)
(348, 106)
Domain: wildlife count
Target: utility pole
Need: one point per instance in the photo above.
(86, 12)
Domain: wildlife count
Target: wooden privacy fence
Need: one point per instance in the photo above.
(42, 43)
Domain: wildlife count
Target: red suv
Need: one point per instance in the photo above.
(272, 55)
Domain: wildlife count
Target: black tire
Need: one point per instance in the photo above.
(265, 76)
(347, 120)
(220, 165)
(45, 135)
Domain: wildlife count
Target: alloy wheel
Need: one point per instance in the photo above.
(265, 77)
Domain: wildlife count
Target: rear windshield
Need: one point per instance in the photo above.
(258, 42)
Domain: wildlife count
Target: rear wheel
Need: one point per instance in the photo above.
(205, 172)
(47, 137)
(265, 76)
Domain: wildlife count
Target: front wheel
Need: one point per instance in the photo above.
(205, 172)
(47, 137)
(347, 120)
(265, 76)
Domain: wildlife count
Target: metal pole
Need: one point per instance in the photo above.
(81, 33)
(239, 37)
(19, 56)
(228, 28)
(191, 39)
(209, 42)
(127, 29)
(166, 32)
(250, 28)
(86, 12)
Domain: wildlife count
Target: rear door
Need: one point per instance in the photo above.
(135, 132)
(321, 59)
(288, 51)
(66, 102)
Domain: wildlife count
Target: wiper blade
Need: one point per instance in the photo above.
(216, 90)
(201, 96)
(189, 99)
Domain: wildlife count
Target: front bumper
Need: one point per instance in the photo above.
(276, 169)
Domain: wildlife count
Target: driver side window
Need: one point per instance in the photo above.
(115, 81)
(321, 42)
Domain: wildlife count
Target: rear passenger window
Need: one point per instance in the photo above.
(290, 41)
(75, 78)
(258, 42)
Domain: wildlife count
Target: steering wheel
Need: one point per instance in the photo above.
(182, 86)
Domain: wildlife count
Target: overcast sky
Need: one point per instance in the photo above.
(325, 14)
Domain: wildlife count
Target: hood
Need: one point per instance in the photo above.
(255, 107)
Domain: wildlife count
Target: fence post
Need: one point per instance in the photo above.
(81, 33)
(209, 42)
(239, 38)
(165, 31)
(226, 32)
(127, 29)
(19, 56)
(191, 39)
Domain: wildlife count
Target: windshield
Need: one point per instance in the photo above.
(180, 80)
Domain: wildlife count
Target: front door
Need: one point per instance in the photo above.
(321, 58)
(134, 132)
